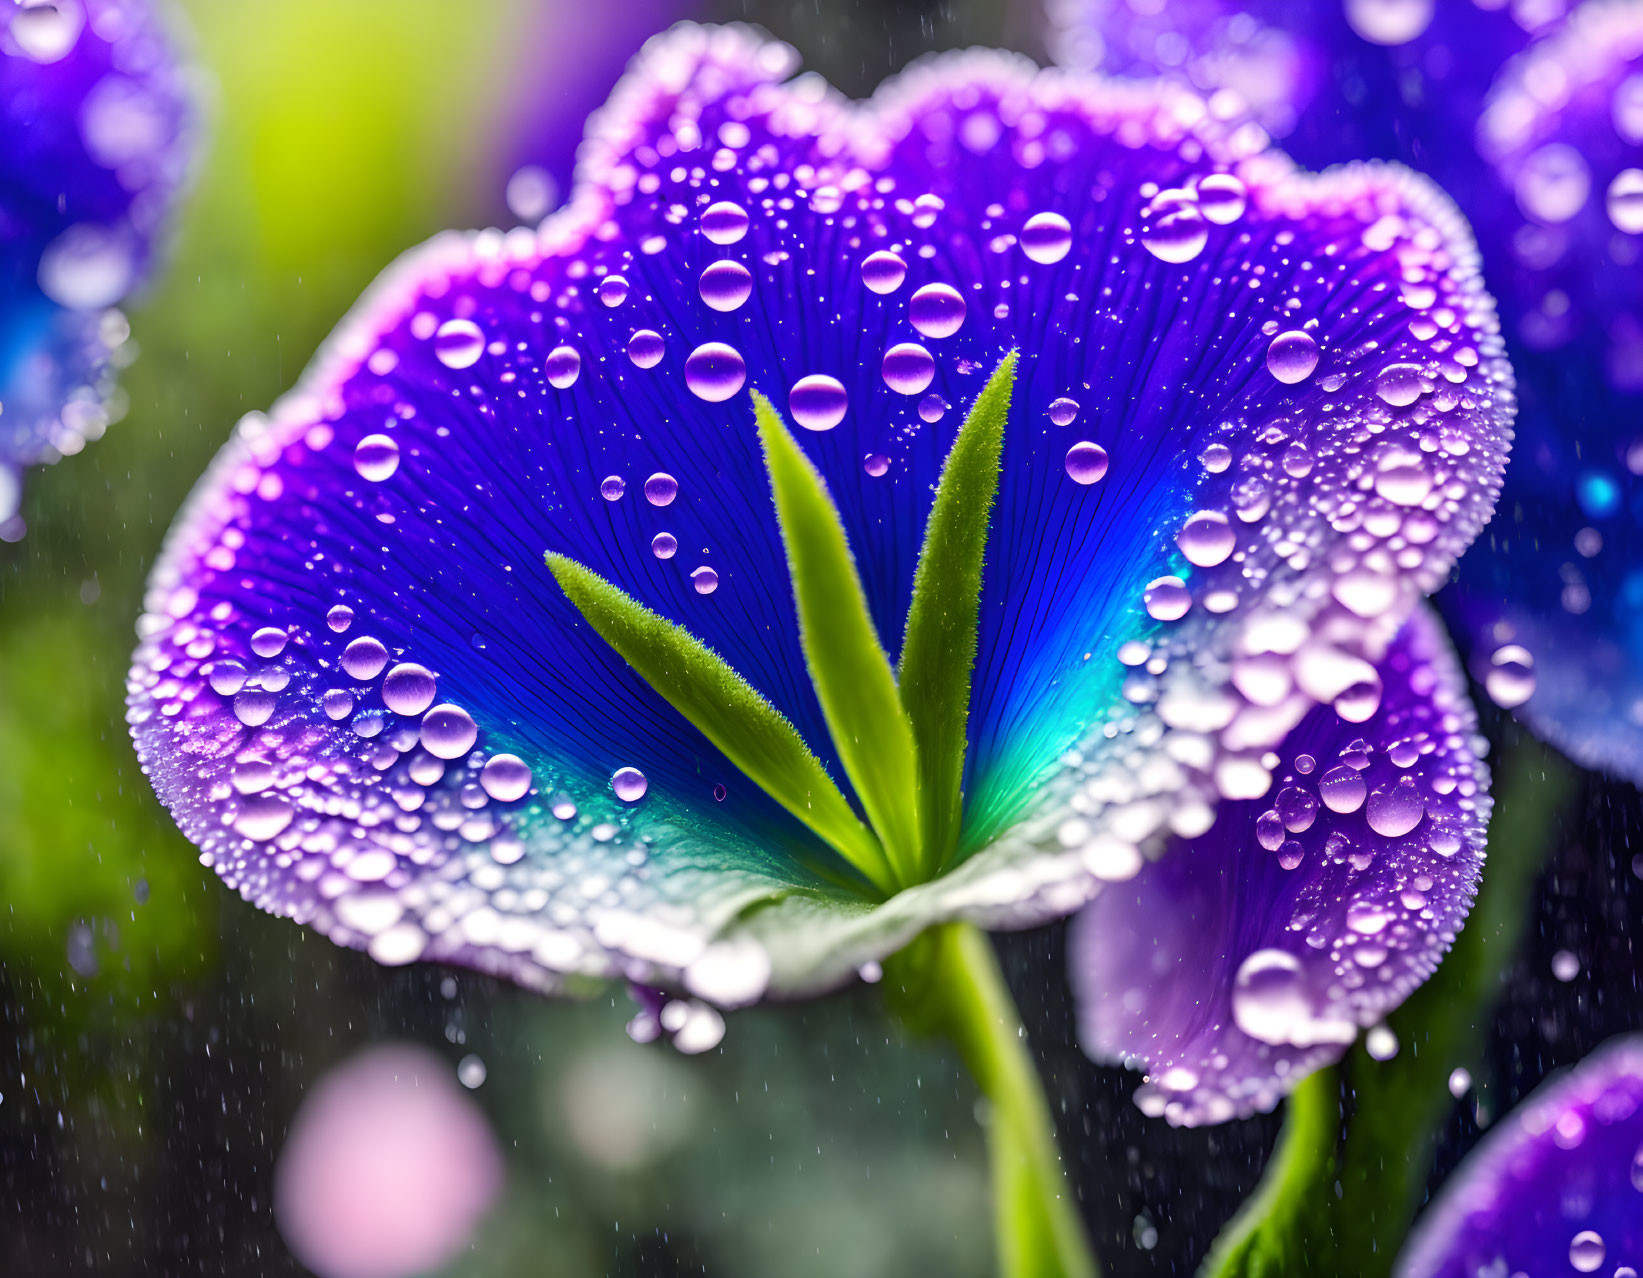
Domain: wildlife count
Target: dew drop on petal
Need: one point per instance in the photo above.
(645, 348)
(1625, 201)
(1342, 789)
(613, 290)
(932, 408)
(1395, 811)
(724, 222)
(1269, 999)
(1222, 198)
(1046, 237)
(364, 658)
(506, 777)
(448, 732)
(715, 372)
(458, 343)
(1553, 183)
(661, 488)
(705, 580)
(1510, 680)
(563, 367)
(936, 310)
(883, 272)
(908, 368)
(1400, 384)
(269, 641)
(875, 464)
(376, 457)
(630, 784)
(726, 285)
(1166, 599)
(818, 402)
(1172, 228)
(339, 618)
(1063, 411)
(1207, 539)
(664, 545)
(1586, 1251)
(408, 688)
(1292, 356)
(1389, 22)
(611, 487)
(1086, 463)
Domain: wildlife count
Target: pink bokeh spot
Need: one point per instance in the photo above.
(387, 1169)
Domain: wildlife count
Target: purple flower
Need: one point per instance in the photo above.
(1257, 414)
(94, 133)
(1557, 1188)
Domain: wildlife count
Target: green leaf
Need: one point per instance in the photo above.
(700, 685)
(848, 666)
(939, 653)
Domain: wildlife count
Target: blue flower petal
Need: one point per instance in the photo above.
(95, 126)
(1555, 1188)
(1258, 414)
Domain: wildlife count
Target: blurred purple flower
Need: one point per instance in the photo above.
(1556, 1188)
(95, 126)
(1258, 413)
(387, 1168)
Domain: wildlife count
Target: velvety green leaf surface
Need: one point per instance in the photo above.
(848, 666)
(939, 652)
(700, 685)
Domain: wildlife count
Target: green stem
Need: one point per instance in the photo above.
(949, 982)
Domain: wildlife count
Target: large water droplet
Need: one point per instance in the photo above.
(1086, 463)
(1270, 1003)
(645, 348)
(364, 658)
(1063, 411)
(88, 267)
(1046, 237)
(705, 580)
(1510, 680)
(269, 641)
(339, 617)
(1586, 1251)
(506, 777)
(1394, 812)
(1400, 384)
(1207, 539)
(1342, 789)
(45, 32)
(908, 368)
(724, 222)
(1166, 599)
(448, 732)
(408, 688)
(1389, 22)
(1553, 183)
(661, 488)
(883, 272)
(664, 545)
(1172, 229)
(1292, 356)
(818, 402)
(630, 784)
(563, 367)
(376, 457)
(1624, 201)
(458, 343)
(715, 372)
(263, 817)
(613, 290)
(726, 285)
(612, 487)
(936, 310)
(1222, 198)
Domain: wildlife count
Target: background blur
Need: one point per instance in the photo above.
(157, 1035)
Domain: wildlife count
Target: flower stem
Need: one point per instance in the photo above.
(949, 982)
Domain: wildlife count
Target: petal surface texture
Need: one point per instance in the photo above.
(1244, 959)
(1555, 1188)
(1258, 414)
(95, 133)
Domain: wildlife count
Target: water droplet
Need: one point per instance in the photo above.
(724, 222)
(458, 343)
(1270, 1002)
(1046, 237)
(376, 457)
(875, 464)
(1292, 356)
(1389, 22)
(883, 272)
(339, 618)
(936, 310)
(530, 193)
(1207, 539)
(408, 688)
(1342, 789)
(1086, 463)
(563, 367)
(1222, 198)
(506, 777)
(1166, 599)
(88, 267)
(253, 706)
(448, 732)
(613, 290)
(1400, 384)
(664, 545)
(1586, 1251)
(226, 677)
(1565, 965)
(645, 348)
(338, 704)
(1063, 411)
(661, 488)
(908, 368)
(630, 784)
(1381, 1043)
(611, 487)
(1510, 680)
(818, 402)
(268, 641)
(263, 817)
(726, 285)
(1172, 229)
(1625, 201)
(1460, 1081)
(1553, 183)
(1394, 812)
(364, 658)
(45, 32)
(932, 408)
(705, 580)
(715, 372)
